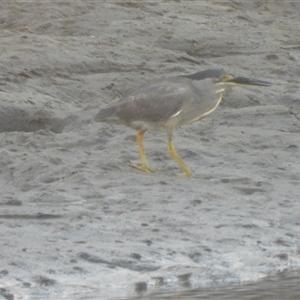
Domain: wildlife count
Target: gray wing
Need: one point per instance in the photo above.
(155, 102)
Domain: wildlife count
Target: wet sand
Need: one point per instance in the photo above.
(284, 285)
(76, 221)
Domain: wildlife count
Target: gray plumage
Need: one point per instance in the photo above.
(156, 102)
(170, 103)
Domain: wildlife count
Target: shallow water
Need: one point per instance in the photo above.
(282, 286)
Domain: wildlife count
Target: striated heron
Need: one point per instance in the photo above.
(170, 103)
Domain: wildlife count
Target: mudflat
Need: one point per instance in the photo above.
(76, 222)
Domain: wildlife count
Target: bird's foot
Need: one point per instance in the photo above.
(187, 173)
(141, 168)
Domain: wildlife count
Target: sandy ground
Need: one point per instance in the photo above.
(76, 221)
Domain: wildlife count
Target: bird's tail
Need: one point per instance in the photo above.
(106, 114)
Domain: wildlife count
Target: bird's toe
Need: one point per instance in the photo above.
(141, 168)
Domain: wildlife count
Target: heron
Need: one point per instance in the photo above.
(168, 104)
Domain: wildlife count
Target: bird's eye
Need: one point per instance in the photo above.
(224, 77)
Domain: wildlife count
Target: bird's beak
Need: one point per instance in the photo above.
(247, 81)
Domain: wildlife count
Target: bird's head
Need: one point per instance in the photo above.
(224, 80)
(229, 80)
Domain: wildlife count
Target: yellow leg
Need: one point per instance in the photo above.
(144, 167)
(179, 161)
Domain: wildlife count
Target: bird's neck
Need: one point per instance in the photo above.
(220, 92)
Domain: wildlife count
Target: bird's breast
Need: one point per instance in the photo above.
(200, 111)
